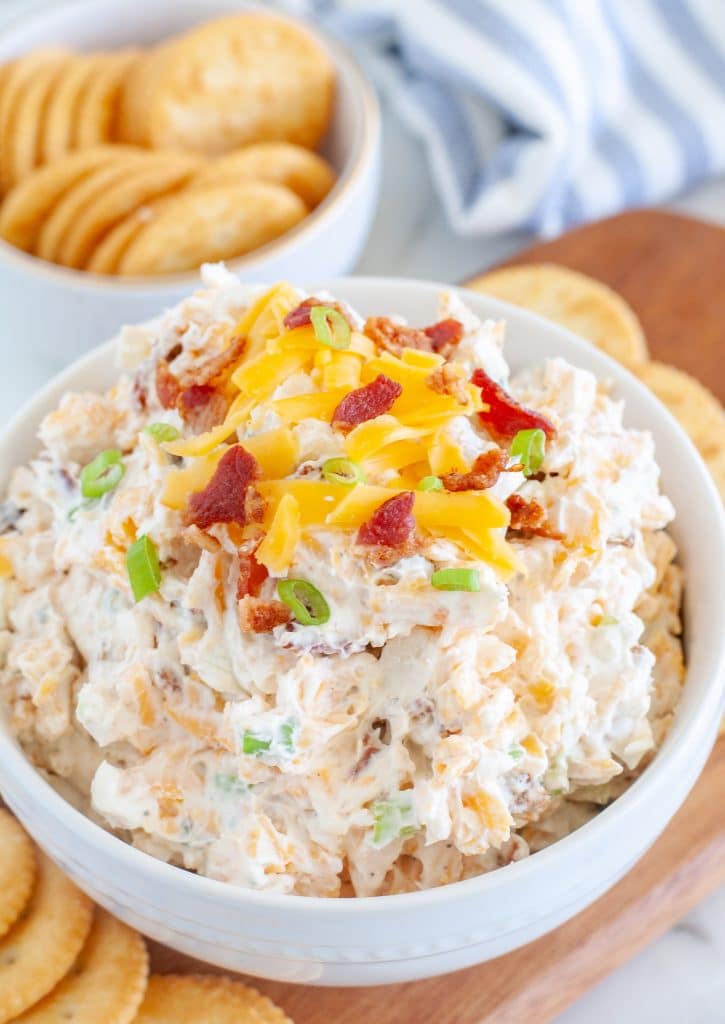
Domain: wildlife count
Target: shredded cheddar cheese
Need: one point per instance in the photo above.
(276, 550)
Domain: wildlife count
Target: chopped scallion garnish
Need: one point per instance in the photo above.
(393, 818)
(305, 602)
(528, 448)
(229, 783)
(144, 572)
(456, 579)
(252, 744)
(430, 483)
(102, 474)
(343, 471)
(287, 737)
(330, 327)
(162, 432)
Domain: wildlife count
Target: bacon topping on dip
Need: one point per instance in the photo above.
(226, 498)
(392, 524)
(484, 473)
(252, 575)
(505, 417)
(365, 403)
(441, 337)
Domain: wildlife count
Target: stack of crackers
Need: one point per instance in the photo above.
(62, 959)
(150, 162)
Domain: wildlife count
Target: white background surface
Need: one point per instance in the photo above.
(680, 979)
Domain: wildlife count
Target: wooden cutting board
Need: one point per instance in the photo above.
(671, 270)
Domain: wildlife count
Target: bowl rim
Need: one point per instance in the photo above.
(593, 833)
(363, 154)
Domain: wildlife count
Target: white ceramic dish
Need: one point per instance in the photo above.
(61, 313)
(395, 938)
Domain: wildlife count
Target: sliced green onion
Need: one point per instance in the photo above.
(393, 818)
(527, 448)
(516, 753)
(305, 602)
(73, 512)
(330, 327)
(144, 573)
(608, 620)
(456, 579)
(252, 744)
(162, 432)
(287, 737)
(229, 783)
(430, 483)
(102, 474)
(343, 471)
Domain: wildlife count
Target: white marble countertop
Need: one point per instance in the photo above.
(679, 979)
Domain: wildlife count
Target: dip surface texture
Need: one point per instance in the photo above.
(314, 604)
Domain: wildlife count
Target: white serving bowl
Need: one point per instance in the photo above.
(61, 313)
(415, 935)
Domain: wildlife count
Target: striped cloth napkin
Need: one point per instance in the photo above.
(540, 114)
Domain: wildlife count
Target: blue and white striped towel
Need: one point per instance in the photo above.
(541, 114)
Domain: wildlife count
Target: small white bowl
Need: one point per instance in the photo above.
(61, 313)
(414, 935)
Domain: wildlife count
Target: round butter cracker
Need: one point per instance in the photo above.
(28, 204)
(25, 144)
(207, 225)
(13, 92)
(304, 172)
(106, 983)
(59, 126)
(107, 254)
(98, 108)
(577, 302)
(17, 870)
(248, 77)
(43, 944)
(77, 198)
(696, 409)
(157, 174)
(190, 999)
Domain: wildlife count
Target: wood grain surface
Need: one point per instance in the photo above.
(671, 270)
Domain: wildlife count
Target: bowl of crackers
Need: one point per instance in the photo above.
(138, 142)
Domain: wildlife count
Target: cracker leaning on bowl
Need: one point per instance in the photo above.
(595, 312)
(61, 958)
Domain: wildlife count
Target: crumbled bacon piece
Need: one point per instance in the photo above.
(444, 380)
(193, 535)
(391, 524)
(444, 336)
(140, 394)
(505, 417)
(367, 402)
(300, 315)
(441, 337)
(226, 498)
(392, 337)
(215, 370)
(483, 474)
(167, 386)
(252, 575)
(380, 556)
(203, 407)
(528, 518)
(256, 616)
